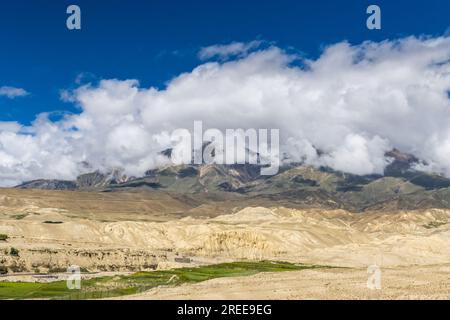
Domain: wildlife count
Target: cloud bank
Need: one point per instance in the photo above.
(344, 110)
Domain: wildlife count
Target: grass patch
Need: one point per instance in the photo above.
(3, 237)
(141, 281)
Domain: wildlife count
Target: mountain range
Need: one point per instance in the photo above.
(401, 186)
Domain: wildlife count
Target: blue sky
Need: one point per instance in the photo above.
(314, 71)
(153, 41)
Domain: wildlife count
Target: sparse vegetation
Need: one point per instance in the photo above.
(19, 216)
(52, 222)
(62, 269)
(434, 224)
(57, 270)
(14, 252)
(3, 237)
(3, 270)
(17, 268)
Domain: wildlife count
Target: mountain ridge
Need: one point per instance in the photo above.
(401, 186)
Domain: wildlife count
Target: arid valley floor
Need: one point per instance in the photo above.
(118, 233)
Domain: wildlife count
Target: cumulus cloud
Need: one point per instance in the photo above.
(344, 110)
(12, 92)
(224, 51)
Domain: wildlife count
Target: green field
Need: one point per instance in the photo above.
(105, 287)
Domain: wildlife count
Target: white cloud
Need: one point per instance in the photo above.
(353, 103)
(358, 155)
(12, 92)
(224, 51)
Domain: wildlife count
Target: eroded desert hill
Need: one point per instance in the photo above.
(120, 231)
